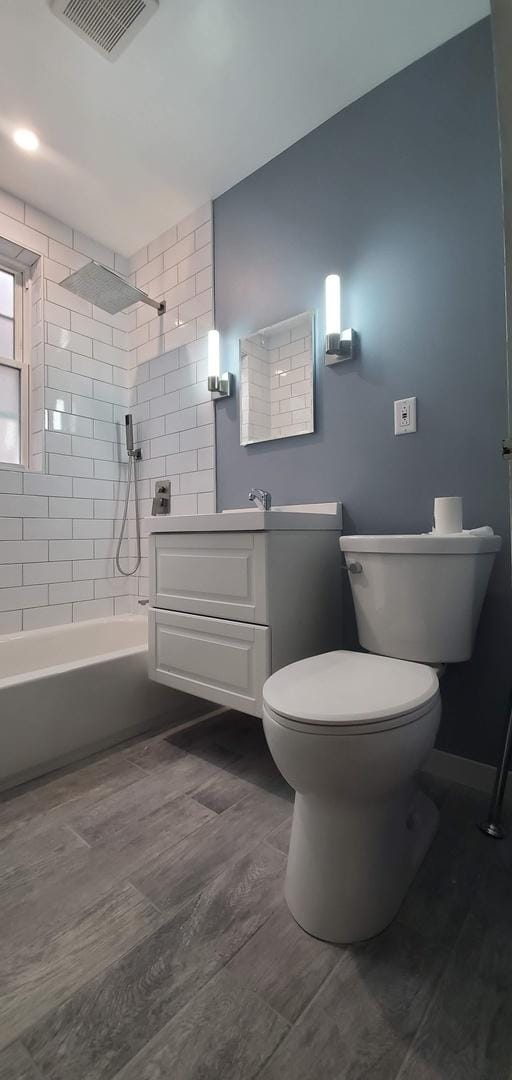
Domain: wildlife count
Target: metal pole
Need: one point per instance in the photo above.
(493, 825)
(501, 16)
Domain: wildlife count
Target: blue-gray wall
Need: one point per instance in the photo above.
(400, 192)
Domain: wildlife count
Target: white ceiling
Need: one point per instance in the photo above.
(209, 91)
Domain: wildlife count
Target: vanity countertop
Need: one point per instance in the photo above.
(252, 519)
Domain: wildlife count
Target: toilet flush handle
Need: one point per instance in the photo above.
(353, 568)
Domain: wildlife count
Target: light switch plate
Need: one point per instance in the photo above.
(405, 416)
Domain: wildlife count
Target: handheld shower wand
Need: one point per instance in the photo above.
(133, 457)
(129, 434)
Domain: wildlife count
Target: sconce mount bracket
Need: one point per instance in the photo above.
(221, 386)
(340, 347)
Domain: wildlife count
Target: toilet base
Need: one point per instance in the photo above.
(349, 867)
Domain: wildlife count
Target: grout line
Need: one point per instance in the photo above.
(151, 903)
(200, 719)
(31, 1060)
(276, 1048)
(312, 1003)
(160, 911)
(194, 722)
(78, 835)
(274, 850)
(140, 768)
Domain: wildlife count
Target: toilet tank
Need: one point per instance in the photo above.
(419, 597)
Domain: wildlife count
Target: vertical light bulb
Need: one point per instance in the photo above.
(332, 304)
(213, 353)
(26, 139)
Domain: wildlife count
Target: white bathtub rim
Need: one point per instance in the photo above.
(90, 660)
(27, 635)
(70, 665)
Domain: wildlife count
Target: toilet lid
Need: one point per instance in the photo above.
(349, 688)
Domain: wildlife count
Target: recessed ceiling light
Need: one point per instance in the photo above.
(25, 139)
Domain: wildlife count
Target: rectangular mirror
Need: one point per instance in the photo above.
(276, 381)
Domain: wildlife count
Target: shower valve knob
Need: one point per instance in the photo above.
(162, 499)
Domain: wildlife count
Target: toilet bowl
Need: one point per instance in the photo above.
(350, 730)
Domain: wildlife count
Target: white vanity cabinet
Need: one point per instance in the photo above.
(229, 605)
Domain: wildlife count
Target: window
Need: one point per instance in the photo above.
(13, 376)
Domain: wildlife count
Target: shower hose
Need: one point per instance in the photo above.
(132, 469)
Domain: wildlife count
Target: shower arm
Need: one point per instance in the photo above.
(160, 306)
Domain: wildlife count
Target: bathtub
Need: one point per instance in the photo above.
(67, 691)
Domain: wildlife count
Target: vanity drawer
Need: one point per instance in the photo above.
(217, 659)
(218, 574)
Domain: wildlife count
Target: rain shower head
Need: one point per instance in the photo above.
(106, 289)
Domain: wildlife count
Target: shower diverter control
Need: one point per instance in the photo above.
(162, 499)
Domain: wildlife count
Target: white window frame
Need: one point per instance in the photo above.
(21, 358)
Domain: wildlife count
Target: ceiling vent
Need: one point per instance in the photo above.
(107, 25)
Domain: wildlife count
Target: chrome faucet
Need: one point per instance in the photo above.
(264, 498)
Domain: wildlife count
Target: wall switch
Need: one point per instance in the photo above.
(405, 416)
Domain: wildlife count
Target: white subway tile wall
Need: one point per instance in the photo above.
(51, 516)
(59, 522)
(174, 414)
(36, 367)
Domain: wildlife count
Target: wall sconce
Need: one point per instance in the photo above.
(339, 344)
(218, 385)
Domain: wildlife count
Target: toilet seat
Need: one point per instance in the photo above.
(348, 693)
(345, 730)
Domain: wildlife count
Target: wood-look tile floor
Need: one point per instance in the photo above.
(144, 934)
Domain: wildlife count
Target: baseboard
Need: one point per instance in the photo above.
(461, 770)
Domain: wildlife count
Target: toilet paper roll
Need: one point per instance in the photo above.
(448, 515)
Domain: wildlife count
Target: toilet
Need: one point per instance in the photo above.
(349, 731)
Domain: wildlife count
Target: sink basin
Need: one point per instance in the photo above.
(253, 519)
